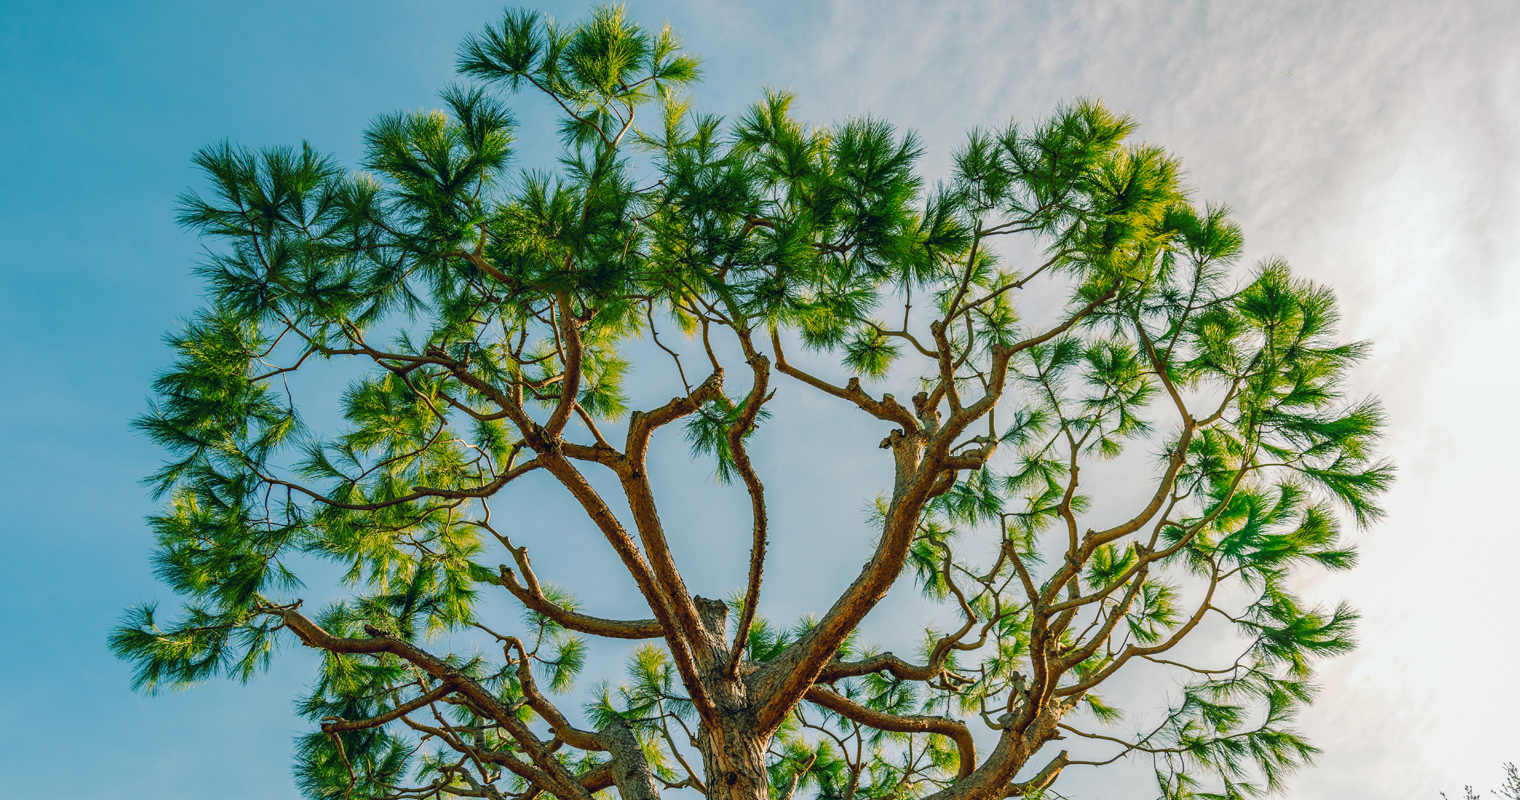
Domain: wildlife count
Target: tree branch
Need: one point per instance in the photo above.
(340, 725)
(735, 436)
(882, 721)
(313, 635)
(533, 597)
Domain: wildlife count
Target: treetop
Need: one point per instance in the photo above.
(492, 312)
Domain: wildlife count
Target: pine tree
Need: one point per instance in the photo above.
(491, 315)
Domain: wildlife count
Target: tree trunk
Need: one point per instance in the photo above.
(733, 751)
(733, 757)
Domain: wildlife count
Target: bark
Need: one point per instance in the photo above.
(733, 756)
(732, 744)
(630, 769)
(916, 723)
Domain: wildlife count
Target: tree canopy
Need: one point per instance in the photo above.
(491, 316)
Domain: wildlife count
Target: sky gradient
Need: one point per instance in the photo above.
(1375, 146)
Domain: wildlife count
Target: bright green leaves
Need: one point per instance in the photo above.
(1264, 536)
(209, 409)
(1291, 311)
(1232, 727)
(941, 235)
(650, 689)
(203, 643)
(767, 639)
(368, 762)
(570, 233)
(1210, 237)
(296, 228)
(1289, 368)
(983, 174)
(388, 416)
(788, 154)
(610, 56)
(928, 559)
(420, 579)
(507, 51)
(423, 596)
(1239, 721)
(1131, 194)
(867, 189)
(565, 663)
(870, 354)
(1118, 393)
(1293, 322)
(788, 225)
(261, 194)
(828, 317)
(807, 766)
(558, 655)
(603, 53)
(215, 544)
(221, 538)
(602, 388)
(1040, 178)
(375, 522)
(598, 70)
(440, 165)
(651, 704)
(1155, 613)
(1108, 564)
(1290, 635)
(1100, 206)
(975, 499)
(707, 432)
(832, 208)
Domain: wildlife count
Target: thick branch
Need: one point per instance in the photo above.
(643, 424)
(784, 680)
(887, 408)
(884, 662)
(563, 730)
(636, 488)
(882, 721)
(533, 597)
(667, 600)
(1043, 779)
(630, 769)
(570, 339)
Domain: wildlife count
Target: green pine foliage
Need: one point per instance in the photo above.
(491, 312)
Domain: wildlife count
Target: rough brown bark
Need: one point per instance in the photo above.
(733, 756)
(631, 772)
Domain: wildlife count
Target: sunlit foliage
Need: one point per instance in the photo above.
(490, 314)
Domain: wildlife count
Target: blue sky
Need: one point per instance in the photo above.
(1374, 145)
